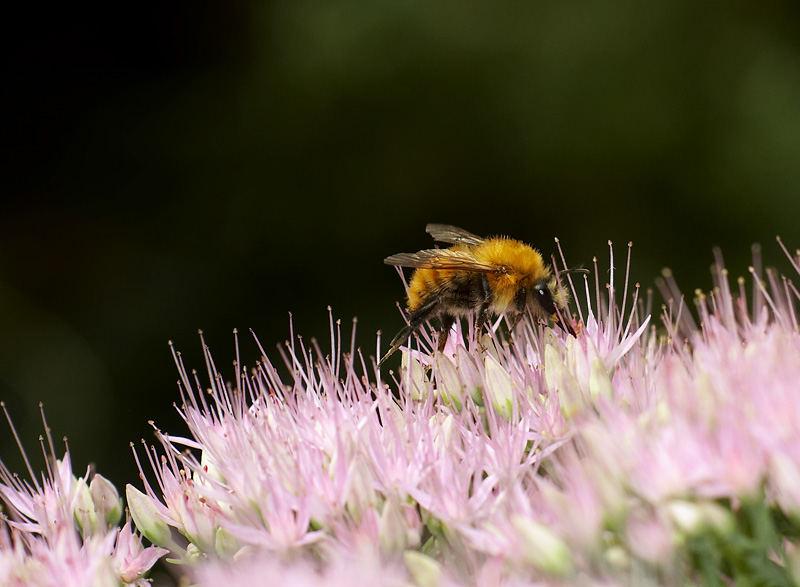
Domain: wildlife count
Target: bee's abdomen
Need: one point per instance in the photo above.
(424, 284)
(453, 291)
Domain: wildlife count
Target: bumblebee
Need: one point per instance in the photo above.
(496, 275)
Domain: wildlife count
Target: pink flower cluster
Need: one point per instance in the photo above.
(631, 453)
(61, 530)
(545, 457)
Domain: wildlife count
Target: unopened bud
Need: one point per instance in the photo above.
(425, 571)
(543, 548)
(147, 519)
(106, 499)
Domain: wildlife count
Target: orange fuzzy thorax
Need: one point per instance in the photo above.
(522, 267)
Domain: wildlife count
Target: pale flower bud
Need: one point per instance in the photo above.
(425, 571)
(106, 499)
(599, 381)
(147, 519)
(618, 558)
(498, 383)
(392, 527)
(686, 516)
(85, 513)
(451, 385)
(543, 548)
(560, 379)
(225, 544)
(692, 518)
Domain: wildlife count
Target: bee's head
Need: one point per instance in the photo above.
(549, 297)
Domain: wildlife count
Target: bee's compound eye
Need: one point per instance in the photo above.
(545, 299)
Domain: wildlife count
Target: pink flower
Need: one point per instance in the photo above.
(62, 530)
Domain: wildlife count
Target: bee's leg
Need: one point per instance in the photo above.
(447, 324)
(415, 320)
(483, 317)
(483, 309)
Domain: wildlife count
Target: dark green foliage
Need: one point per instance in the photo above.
(747, 556)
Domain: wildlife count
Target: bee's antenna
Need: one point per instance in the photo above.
(573, 270)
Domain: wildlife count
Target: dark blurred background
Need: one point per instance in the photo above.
(175, 166)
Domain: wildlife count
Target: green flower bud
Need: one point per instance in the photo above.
(225, 545)
(148, 520)
(106, 499)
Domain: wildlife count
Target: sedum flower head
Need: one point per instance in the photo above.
(61, 530)
(632, 452)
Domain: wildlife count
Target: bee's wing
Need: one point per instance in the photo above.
(445, 233)
(443, 259)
